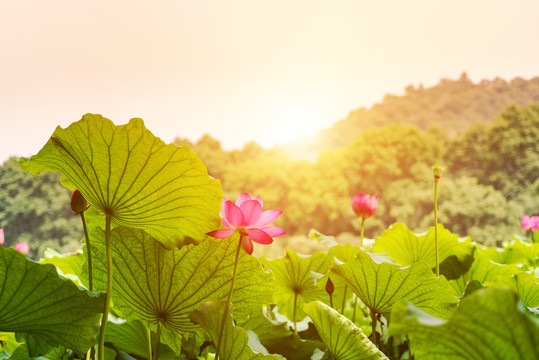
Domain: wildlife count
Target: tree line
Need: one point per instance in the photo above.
(491, 180)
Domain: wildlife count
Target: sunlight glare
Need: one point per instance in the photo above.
(293, 124)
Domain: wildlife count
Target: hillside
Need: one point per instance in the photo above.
(453, 105)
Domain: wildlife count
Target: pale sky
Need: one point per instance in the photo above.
(241, 71)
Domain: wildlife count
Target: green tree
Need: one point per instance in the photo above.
(465, 207)
(504, 154)
(37, 210)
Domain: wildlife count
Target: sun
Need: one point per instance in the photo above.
(293, 123)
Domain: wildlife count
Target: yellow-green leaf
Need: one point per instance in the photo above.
(127, 172)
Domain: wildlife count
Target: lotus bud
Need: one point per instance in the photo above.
(78, 203)
(23, 248)
(330, 288)
(364, 205)
(438, 171)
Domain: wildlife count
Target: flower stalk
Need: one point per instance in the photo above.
(438, 171)
(227, 304)
(247, 218)
(79, 205)
(330, 288)
(364, 206)
(89, 252)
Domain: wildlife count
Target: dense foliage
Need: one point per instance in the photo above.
(493, 172)
(492, 179)
(165, 282)
(36, 210)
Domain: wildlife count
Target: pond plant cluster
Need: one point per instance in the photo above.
(166, 272)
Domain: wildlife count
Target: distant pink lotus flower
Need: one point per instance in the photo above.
(23, 248)
(364, 205)
(529, 223)
(1, 236)
(247, 218)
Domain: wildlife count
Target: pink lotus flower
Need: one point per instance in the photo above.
(1, 236)
(529, 223)
(247, 218)
(364, 205)
(23, 248)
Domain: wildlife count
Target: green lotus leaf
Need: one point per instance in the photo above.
(380, 285)
(344, 340)
(524, 284)
(327, 241)
(482, 270)
(277, 337)
(296, 281)
(128, 173)
(154, 285)
(44, 309)
(490, 323)
(235, 341)
(343, 252)
(507, 255)
(131, 337)
(407, 248)
(8, 342)
(528, 250)
(70, 265)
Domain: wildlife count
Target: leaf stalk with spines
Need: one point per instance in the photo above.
(157, 341)
(375, 338)
(227, 305)
(295, 312)
(149, 341)
(355, 307)
(343, 307)
(101, 349)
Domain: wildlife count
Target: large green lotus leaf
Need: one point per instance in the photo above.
(297, 275)
(407, 248)
(528, 250)
(8, 342)
(277, 337)
(508, 255)
(154, 284)
(44, 309)
(70, 265)
(524, 284)
(131, 338)
(235, 340)
(482, 270)
(344, 340)
(344, 253)
(129, 173)
(380, 285)
(488, 324)
(58, 353)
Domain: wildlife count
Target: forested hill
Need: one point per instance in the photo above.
(453, 105)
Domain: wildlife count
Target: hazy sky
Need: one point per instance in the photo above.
(241, 70)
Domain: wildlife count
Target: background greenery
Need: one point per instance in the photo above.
(485, 135)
